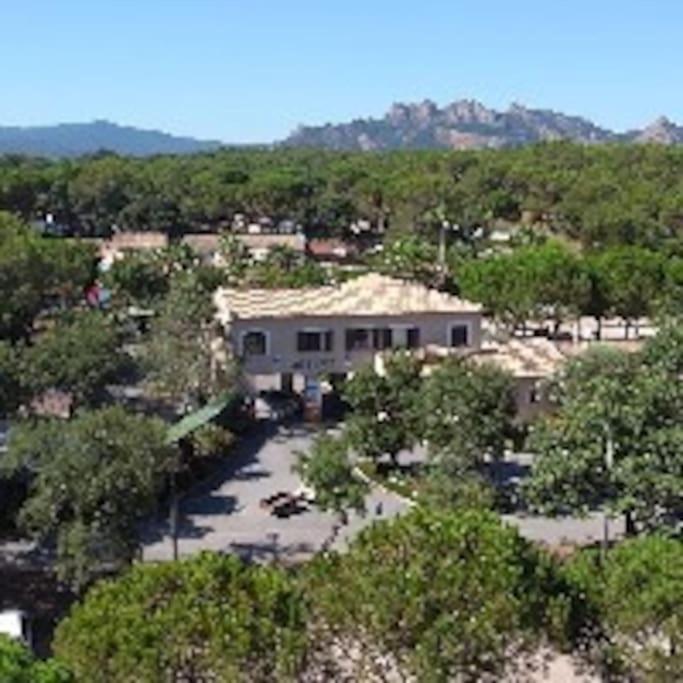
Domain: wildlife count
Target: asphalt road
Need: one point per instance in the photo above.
(224, 513)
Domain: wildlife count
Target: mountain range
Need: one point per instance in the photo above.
(77, 139)
(463, 124)
(468, 124)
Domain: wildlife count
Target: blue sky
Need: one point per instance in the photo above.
(251, 70)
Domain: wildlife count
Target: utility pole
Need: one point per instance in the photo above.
(609, 463)
(445, 225)
(173, 516)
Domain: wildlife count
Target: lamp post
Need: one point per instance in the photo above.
(445, 227)
(609, 463)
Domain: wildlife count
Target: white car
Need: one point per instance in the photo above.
(16, 624)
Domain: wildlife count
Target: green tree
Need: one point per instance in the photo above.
(436, 596)
(614, 441)
(137, 279)
(596, 303)
(184, 360)
(633, 279)
(637, 591)
(70, 266)
(501, 284)
(18, 665)
(384, 407)
(665, 349)
(22, 286)
(558, 282)
(36, 271)
(673, 286)
(546, 281)
(93, 479)
(326, 468)
(80, 354)
(206, 618)
(467, 414)
(410, 257)
(11, 389)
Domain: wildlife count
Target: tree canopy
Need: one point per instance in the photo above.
(615, 440)
(438, 596)
(79, 354)
(467, 411)
(597, 195)
(206, 618)
(384, 417)
(35, 272)
(327, 469)
(92, 480)
(184, 361)
(637, 591)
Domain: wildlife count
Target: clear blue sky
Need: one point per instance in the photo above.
(251, 70)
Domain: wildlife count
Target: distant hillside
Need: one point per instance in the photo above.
(468, 124)
(77, 139)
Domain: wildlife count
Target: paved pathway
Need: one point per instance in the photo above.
(224, 514)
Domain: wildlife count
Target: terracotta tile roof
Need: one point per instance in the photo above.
(53, 403)
(266, 240)
(331, 249)
(534, 358)
(370, 295)
(138, 240)
(203, 243)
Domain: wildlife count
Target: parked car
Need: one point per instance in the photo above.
(16, 624)
(277, 406)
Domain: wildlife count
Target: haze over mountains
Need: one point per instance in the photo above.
(463, 124)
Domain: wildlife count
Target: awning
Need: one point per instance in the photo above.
(199, 418)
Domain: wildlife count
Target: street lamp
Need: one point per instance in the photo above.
(609, 463)
(445, 226)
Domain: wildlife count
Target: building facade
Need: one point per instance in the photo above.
(308, 339)
(294, 338)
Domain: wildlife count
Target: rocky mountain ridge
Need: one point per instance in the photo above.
(468, 124)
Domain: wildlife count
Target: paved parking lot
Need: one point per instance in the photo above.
(224, 514)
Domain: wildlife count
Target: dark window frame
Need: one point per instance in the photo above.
(248, 349)
(358, 339)
(324, 341)
(463, 340)
(412, 337)
(382, 338)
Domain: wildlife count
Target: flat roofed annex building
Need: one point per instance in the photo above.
(332, 330)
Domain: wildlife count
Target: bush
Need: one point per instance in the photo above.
(17, 665)
(210, 440)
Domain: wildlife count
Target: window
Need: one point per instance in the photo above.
(460, 335)
(314, 340)
(381, 338)
(357, 338)
(374, 338)
(412, 337)
(254, 343)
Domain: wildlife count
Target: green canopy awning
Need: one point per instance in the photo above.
(199, 418)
